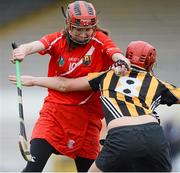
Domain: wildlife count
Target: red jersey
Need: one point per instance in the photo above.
(76, 62)
(70, 122)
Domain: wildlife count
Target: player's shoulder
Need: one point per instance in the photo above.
(100, 37)
(100, 34)
(54, 37)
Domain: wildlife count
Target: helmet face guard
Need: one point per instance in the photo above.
(81, 16)
(141, 54)
(81, 35)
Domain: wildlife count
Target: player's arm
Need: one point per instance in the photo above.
(171, 94)
(27, 49)
(177, 94)
(121, 63)
(57, 83)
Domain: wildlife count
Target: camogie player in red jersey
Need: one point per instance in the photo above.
(70, 123)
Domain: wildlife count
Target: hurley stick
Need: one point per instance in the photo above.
(23, 142)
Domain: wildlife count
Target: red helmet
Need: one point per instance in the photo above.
(81, 14)
(141, 54)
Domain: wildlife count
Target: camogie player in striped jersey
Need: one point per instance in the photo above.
(70, 123)
(135, 139)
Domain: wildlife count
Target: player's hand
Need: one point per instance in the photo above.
(120, 67)
(25, 80)
(18, 54)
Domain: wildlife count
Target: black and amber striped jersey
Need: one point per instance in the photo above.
(137, 93)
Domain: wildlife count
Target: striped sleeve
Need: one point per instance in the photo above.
(95, 79)
(170, 95)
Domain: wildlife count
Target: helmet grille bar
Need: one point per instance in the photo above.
(78, 22)
(89, 9)
(77, 8)
(93, 21)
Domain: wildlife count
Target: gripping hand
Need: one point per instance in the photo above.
(120, 67)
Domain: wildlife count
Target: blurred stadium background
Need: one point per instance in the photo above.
(26, 20)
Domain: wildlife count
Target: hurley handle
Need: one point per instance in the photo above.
(18, 78)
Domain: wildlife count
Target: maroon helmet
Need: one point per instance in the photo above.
(141, 54)
(82, 15)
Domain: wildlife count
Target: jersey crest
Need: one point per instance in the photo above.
(129, 86)
(61, 61)
(87, 60)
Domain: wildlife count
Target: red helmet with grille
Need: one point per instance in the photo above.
(81, 14)
(141, 54)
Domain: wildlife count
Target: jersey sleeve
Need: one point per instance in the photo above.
(48, 41)
(95, 79)
(170, 95)
(109, 47)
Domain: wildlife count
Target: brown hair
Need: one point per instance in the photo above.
(98, 28)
